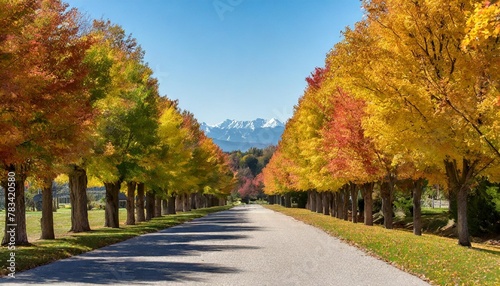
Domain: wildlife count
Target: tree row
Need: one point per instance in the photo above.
(409, 97)
(77, 98)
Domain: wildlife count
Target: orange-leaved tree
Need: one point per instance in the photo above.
(45, 104)
(352, 157)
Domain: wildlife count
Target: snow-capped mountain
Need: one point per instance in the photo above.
(233, 135)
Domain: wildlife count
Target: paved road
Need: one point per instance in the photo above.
(247, 245)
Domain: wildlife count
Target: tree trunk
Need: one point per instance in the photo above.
(47, 221)
(204, 199)
(354, 202)
(368, 202)
(150, 205)
(308, 201)
(199, 201)
(78, 198)
(345, 201)
(15, 226)
(333, 206)
(386, 192)
(459, 184)
(157, 206)
(130, 203)
(140, 203)
(179, 203)
(222, 202)
(319, 202)
(338, 204)
(186, 206)
(313, 201)
(209, 200)
(326, 203)
(417, 210)
(194, 205)
(111, 212)
(164, 210)
(462, 226)
(171, 204)
(332, 203)
(288, 200)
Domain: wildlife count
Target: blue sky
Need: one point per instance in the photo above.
(231, 59)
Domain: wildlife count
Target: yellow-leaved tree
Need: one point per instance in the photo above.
(427, 94)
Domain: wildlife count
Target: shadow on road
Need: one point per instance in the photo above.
(155, 257)
(127, 272)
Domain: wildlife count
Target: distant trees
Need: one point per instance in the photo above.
(407, 97)
(79, 99)
(248, 167)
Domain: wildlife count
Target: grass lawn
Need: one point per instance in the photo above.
(433, 221)
(66, 245)
(437, 259)
(62, 222)
(434, 211)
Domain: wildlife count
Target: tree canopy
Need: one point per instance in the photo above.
(410, 93)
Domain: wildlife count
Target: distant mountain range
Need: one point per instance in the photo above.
(232, 135)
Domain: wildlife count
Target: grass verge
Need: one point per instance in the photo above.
(45, 251)
(62, 222)
(436, 259)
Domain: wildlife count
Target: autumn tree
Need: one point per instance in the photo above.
(277, 177)
(425, 92)
(127, 124)
(300, 165)
(208, 165)
(221, 179)
(482, 27)
(166, 165)
(43, 54)
(351, 156)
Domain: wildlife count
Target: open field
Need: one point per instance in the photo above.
(45, 251)
(438, 259)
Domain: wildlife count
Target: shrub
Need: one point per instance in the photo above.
(404, 203)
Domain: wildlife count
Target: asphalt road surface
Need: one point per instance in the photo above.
(247, 245)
